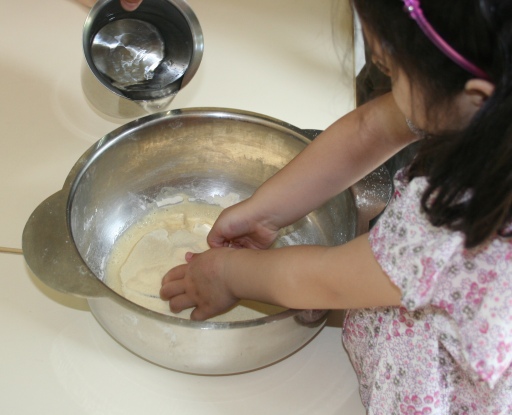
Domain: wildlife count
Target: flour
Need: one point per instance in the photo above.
(158, 242)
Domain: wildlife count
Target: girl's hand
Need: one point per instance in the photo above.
(238, 227)
(199, 284)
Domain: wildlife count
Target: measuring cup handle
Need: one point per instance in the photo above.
(50, 253)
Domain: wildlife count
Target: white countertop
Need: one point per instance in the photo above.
(273, 57)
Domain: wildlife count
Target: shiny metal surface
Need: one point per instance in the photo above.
(201, 152)
(145, 56)
(128, 52)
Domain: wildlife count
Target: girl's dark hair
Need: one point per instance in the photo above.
(469, 172)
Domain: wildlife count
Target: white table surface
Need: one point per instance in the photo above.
(273, 57)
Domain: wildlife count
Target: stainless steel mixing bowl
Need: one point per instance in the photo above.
(203, 153)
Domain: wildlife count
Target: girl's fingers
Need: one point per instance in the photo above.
(172, 289)
(130, 5)
(199, 315)
(189, 256)
(180, 302)
(177, 273)
(217, 241)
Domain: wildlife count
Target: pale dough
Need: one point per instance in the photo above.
(155, 254)
(159, 242)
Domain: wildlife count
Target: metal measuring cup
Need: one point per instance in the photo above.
(136, 62)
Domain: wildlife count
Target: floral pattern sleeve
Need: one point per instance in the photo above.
(472, 288)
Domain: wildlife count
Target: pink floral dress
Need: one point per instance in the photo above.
(448, 348)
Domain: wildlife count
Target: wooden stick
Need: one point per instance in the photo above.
(11, 250)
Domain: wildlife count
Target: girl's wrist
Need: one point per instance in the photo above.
(227, 271)
(267, 209)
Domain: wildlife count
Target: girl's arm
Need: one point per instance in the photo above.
(346, 276)
(344, 153)
(300, 277)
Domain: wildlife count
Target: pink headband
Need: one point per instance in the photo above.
(415, 12)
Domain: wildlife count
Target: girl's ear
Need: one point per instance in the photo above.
(478, 90)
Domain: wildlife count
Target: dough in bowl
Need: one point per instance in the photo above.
(158, 242)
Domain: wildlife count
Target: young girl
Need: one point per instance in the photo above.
(430, 330)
